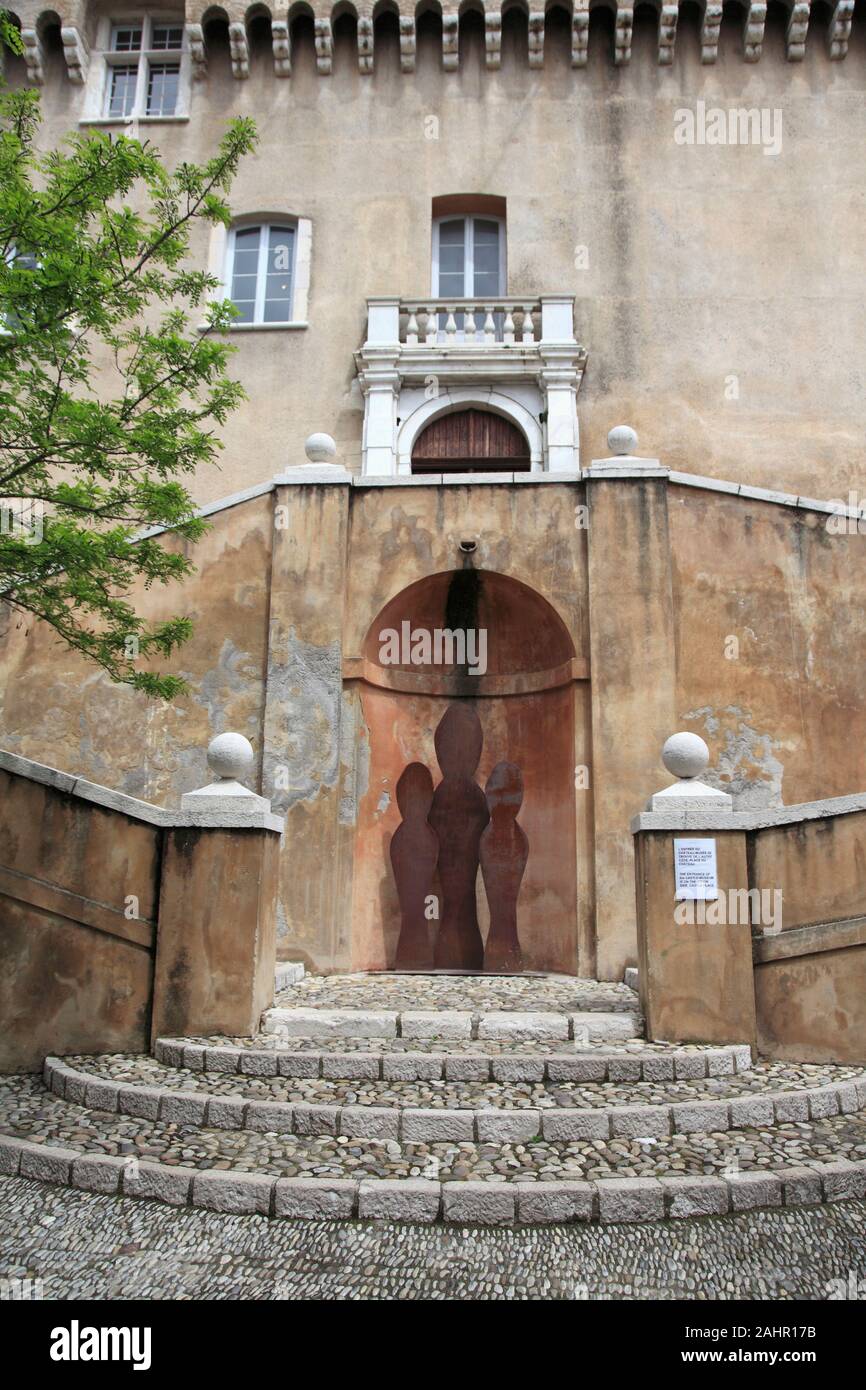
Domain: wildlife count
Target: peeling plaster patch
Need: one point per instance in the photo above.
(746, 766)
(354, 758)
(282, 923)
(306, 692)
(232, 674)
(405, 535)
(383, 803)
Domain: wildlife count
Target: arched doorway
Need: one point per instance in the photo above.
(528, 708)
(468, 441)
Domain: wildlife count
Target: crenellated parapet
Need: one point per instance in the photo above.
(235, 18)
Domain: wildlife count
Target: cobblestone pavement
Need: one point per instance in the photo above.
(87, 1246)
(29, 1111)
(541, 993)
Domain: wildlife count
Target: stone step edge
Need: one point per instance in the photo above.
(677, 1064)
(427, 1200)
(484, 1126)
(451, 1024)
(287, 973)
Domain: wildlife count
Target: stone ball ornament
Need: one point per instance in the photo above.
(231, 756)
(320, 448)
(621, 440)
(686, 755)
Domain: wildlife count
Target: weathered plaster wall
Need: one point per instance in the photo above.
(811, 1008)
(77, 974)
(695, 981)
(216, 947)
(820, 865)
(770, 627)
(717, 320)
(632, 683)
(59, 709)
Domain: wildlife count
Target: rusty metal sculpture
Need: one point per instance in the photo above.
(414, 852)
(458, 816)
(503, 851)
(457, 827)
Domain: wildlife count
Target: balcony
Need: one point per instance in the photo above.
(473, 322)
(517, 357)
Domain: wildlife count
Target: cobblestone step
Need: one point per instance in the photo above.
(792, 1164)
(491, 1112)
(447, 1024)
(274, 1044)
(391, 992)
(425, 1059)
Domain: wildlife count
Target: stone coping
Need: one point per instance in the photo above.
(445, 1024)
(809, 940)
(498, 1203)
(764, 819)
(417, 1125)
(635, 468)
(130, 806)
(675, 1064)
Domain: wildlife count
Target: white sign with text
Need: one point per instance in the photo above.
(695, 869)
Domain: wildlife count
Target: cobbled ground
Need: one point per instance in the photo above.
(84, 1246)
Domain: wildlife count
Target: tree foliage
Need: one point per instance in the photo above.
(113, 379)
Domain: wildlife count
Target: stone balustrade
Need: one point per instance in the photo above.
(479, 322)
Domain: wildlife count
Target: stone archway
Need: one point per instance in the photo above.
(519, 407)
(525, 702)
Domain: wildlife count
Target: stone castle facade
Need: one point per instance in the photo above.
(470, 243)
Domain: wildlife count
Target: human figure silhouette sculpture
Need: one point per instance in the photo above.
(414, 851)
(503, 851)
(458, 816)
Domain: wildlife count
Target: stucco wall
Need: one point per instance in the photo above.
(77, 973)
(722, 305)
(769, 630)
(61, 710)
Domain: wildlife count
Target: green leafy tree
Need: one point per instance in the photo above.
(110, 391)
(10, 34)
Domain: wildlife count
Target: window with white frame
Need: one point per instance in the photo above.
(143, 68)
(468, 257)
(17, 260)
(260, 272)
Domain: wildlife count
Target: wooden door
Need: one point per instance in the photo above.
(469, 441)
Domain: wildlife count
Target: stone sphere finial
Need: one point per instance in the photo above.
(622, 439)
(685, 755)
(231, 757)
(320, 448)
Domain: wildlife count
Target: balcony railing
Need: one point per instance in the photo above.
(531, 325)
(469, 322)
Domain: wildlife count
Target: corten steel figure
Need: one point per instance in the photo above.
(414, 851)
(504, 850)
(459, 815)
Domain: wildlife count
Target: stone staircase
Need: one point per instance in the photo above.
(462, 1098)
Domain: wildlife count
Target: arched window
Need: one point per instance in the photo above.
(470, 441)
(260, 272)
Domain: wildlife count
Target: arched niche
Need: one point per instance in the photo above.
(533, 707)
